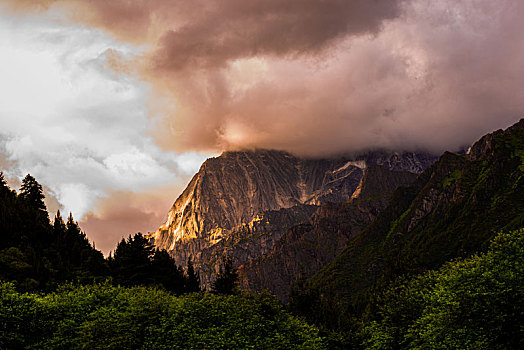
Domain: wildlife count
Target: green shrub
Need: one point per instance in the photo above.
(108, 317)
(474, 303)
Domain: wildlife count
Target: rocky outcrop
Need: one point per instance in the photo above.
(306, 248)
(414, 162)
(242, 243)
(234, 188)
(242, 202)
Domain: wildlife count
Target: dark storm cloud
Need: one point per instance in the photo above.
(209, 30)
(232, 29)
(436, 77)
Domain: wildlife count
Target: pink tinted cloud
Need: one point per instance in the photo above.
(320, 77)
(124, 213)
(436, 77)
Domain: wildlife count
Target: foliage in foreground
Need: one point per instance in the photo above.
(475, 303)
(109, 317)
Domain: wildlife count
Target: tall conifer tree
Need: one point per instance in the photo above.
(31, 192)
(192, 278)
(227, 277)
(3, 182)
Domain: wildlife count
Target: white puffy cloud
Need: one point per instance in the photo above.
(78, 126)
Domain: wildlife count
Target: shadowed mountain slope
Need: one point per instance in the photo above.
(452, 210)
(306, 248)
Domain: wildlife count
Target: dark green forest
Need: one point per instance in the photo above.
(107, 317)
(475, 303)
(38, 255)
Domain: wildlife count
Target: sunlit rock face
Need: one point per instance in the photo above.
(241, 203)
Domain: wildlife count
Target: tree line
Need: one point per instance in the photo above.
(39, 255)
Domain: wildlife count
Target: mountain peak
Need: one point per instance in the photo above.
(484, 147)
(230, 191)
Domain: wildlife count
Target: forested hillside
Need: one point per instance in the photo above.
(475, 303)
(451, 211)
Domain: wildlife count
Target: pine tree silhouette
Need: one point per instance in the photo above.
(227, 277)
(166, 273)
(192, 278)
(32, 193)
(3, 182)
(131, 263)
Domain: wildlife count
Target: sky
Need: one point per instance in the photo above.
(114, 105)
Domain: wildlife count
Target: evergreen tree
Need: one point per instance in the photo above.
(59, 224)
(227, 278)
(166, 273)
(59, 247)
(37, 254)
(6, 213)
(59, 231)
(131, 264)
(32, 193)
(192, 278)
(3, 182)
(74, 241)
(78, 258)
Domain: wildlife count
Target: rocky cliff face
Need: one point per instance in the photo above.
(242, 202)
(232, 190)
(242, 243)
(304, 249)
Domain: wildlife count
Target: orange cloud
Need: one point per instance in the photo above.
(125, 213)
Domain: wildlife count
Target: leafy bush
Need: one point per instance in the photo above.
(107, 317)
(475, 303)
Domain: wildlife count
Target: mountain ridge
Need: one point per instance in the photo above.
(230, 191)
(451, 210)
